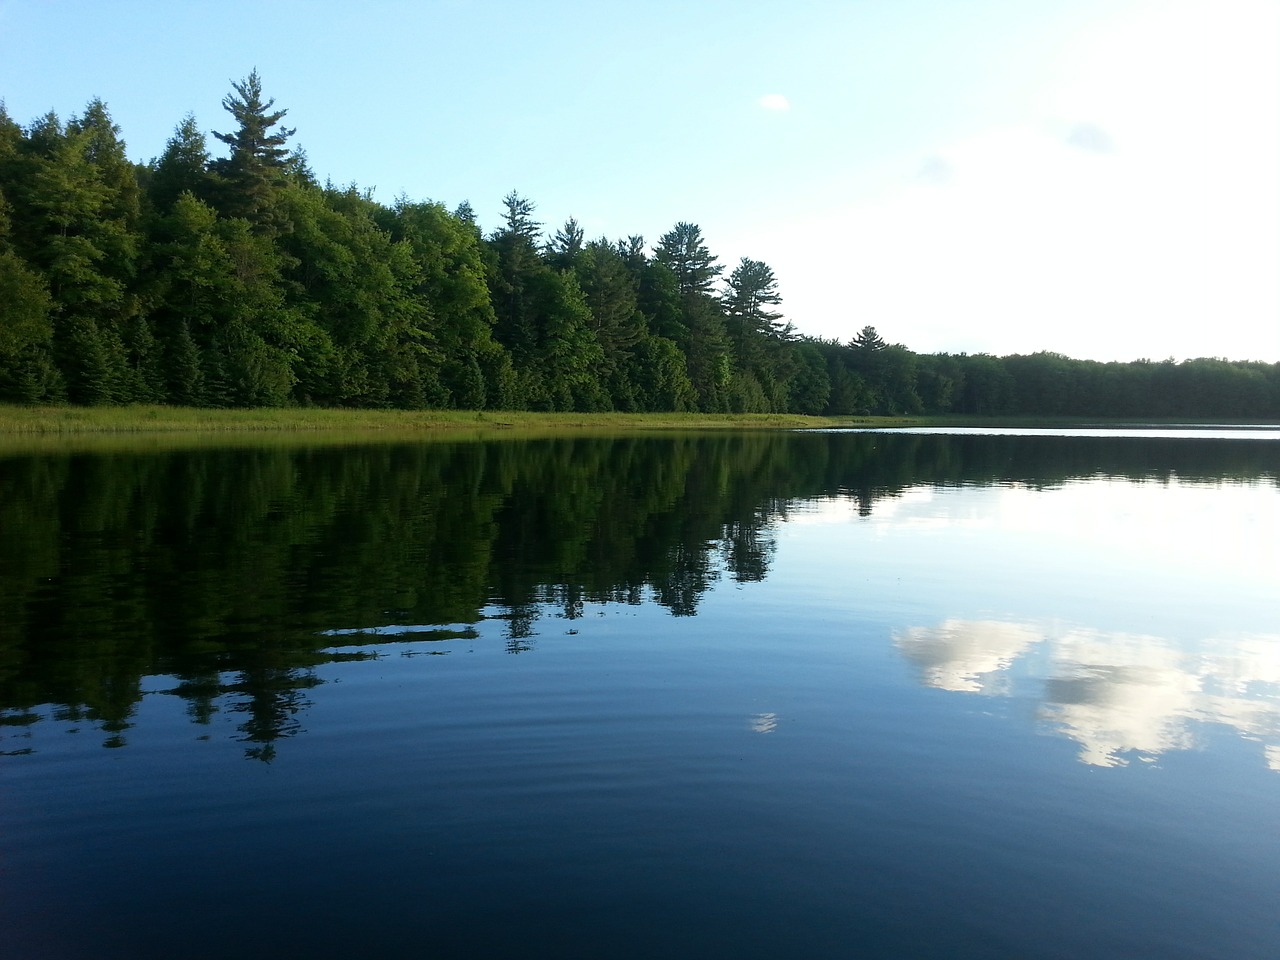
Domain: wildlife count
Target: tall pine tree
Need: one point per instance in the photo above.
(259, 161)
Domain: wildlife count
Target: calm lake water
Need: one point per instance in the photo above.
(755, 695)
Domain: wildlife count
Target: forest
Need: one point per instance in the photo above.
(242, 281)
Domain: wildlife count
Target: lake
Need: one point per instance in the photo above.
(820, 694)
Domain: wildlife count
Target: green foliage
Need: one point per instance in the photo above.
(610, 288)
(661, 377)
(76, 221)
(568, 357)
(515, 266)
(809, 387)
(706, 350)
(867, 341)
(683, 251)
(27, 373)
(184, 167)
(351, 286)
(258, 161)
(751, 291)
(563, 248)
(451, 280)
(240, 282)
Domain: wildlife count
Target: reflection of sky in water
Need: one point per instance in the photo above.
(1265, 432)
(1116, 695)
(1168, 558)
(1224, 525)
(764, 723)
(967, 657)
(1131, 612)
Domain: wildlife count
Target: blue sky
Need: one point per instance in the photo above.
(1095, 177)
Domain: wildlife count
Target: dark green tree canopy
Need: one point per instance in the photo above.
(867, 340)
(566, 244)
(184, 166)
(685, 253)
(518, 217)
(253, 141)
(465, 212)
(751, 291)
(259, 161)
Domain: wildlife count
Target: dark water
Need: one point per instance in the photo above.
(821, 695)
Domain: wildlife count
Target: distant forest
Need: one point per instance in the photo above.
(243, 281)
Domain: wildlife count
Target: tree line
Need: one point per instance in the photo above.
(242, 281)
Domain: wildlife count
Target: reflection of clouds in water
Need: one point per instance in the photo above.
(764, 723)
(965, 655)
(1120, 694)
(1114, 694)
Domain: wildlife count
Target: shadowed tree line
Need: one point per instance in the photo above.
(242, 281)
(229, 570)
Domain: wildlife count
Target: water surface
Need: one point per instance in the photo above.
(810, 695)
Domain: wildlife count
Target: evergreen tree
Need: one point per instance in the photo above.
(222, 288)
(259, 162)
(700, 326)
(563, 248)
(184, 166)
(192, 283)
(518, 217)
(683, 251)
(568, 361)
(27, 373)
(610, 290)
(706, 350)
(658, 296)
(867, 341)
(511, 284)
(750, 292)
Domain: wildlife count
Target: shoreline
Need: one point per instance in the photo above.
(153, 426)
(152, 419)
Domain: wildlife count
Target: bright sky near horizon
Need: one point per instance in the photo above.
(1093, 177)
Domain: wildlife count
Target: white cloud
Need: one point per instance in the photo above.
(775, 101)
(1091, 137)
(935, 170)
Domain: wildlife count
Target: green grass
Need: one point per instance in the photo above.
(164, 419)
(138, 428)
(65, 420)
(30, 429)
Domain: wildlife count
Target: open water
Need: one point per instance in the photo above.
(756, 695)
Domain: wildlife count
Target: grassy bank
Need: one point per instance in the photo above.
(30, 421)
(135, 420)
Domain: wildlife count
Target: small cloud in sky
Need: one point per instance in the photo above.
(935, 170)
(1092, 138)
(775, 101)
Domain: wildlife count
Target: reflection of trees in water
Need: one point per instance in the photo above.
(271, 698)
(235, 562)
